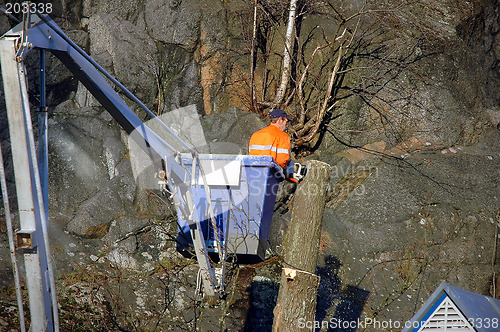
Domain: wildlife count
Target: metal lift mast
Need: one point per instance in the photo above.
(42, 33)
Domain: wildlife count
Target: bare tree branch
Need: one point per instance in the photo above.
(300, 92)
(252, 58)
(321, 113)
(285, 73)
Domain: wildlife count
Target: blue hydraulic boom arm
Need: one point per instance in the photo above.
(41, 32)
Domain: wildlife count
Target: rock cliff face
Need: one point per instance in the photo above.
(414, 196)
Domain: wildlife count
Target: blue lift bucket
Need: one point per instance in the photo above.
(243, 192)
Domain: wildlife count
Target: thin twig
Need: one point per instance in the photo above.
(252, 58)
(494, 256)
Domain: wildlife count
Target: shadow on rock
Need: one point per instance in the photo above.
(348, 303)
(263, 297)
(329, 286)
(349, 310)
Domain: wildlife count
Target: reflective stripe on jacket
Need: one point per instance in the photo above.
(271, 141)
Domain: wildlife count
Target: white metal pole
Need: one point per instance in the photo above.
(12, 246)
(19, 145)
(40, 201)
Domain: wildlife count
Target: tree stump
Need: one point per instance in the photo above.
(296, 304)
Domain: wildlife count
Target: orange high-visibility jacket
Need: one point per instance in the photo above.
(271, 141)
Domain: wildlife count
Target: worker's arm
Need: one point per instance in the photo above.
(283, 151)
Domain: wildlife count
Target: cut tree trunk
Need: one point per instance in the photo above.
(296, 302)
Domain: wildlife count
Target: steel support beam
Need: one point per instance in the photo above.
(43, 137)
(33, 234)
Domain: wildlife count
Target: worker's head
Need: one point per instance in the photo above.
(279, 118)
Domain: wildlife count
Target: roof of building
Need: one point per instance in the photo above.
(458, 306)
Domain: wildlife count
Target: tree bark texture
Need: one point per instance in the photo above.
(301, 243)
(296, 299)
(299, 285)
